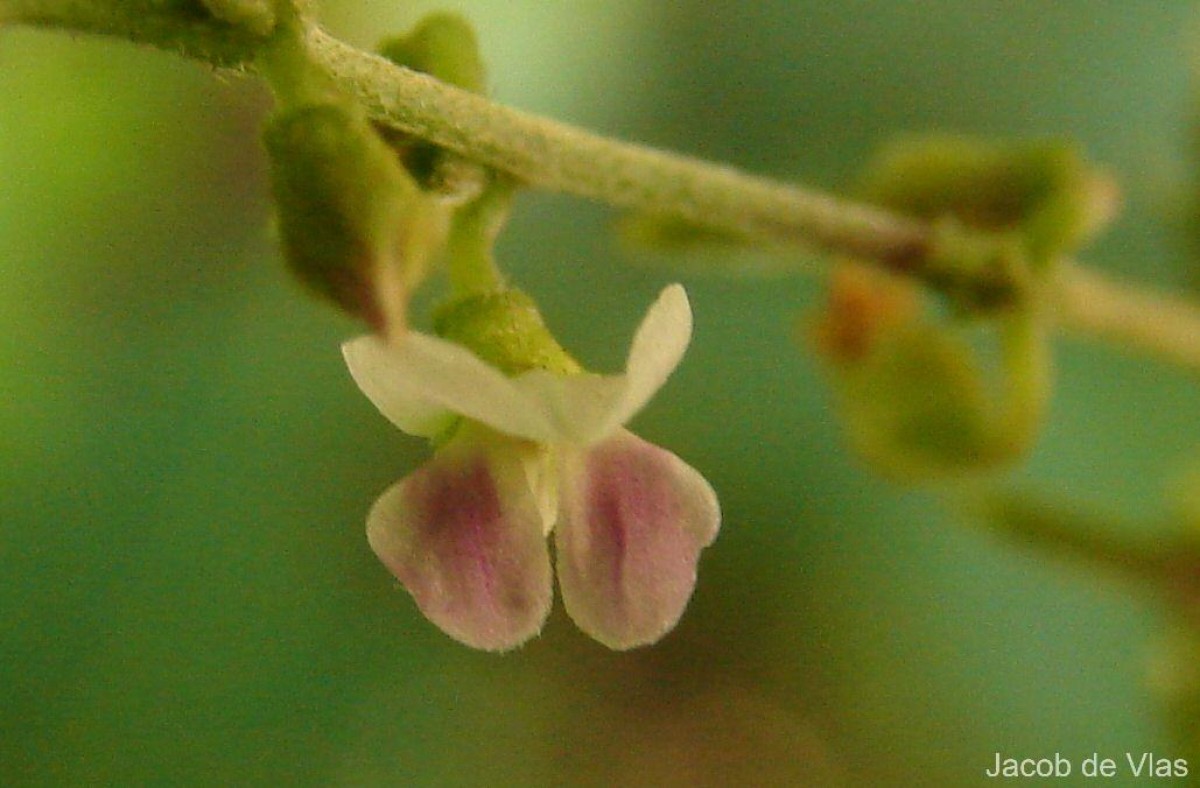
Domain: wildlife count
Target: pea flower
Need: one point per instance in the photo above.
(528, 455)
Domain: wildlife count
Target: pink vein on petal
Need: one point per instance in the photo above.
(634, 520)
(464, 536)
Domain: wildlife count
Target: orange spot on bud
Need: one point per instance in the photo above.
(863, 304)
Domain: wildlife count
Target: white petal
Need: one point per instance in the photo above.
(585, 409)
(416, 381)
(541, 475)
(421, 368)
(658, 346)
(373, 369)
(582, 408)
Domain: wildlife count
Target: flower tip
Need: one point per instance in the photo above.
(675, 292)
(657, 348)
(673, 302)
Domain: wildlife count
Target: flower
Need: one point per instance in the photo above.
(537, 453)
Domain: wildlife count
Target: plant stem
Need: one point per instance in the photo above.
(554, 156)
(1028, 363)
(1159, 324)
(470, 260)
(160, 23)
(1074, 536)
(557, 157)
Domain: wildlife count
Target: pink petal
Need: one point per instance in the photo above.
(633, 520)
(464, 535)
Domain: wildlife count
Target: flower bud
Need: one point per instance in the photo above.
(254, 16)
(915, 402)
(865, 304)
(1045, 192)
(915, 407)
(444, 46)
(354, 225)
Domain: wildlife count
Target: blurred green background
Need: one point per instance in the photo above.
(186, 593)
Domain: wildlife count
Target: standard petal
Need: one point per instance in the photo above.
(581, 409)
(586, 408)
(372, 366)
(657, 348)
(421, 368)
(633, 520)
(464, 535)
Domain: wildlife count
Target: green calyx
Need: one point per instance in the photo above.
(505, 329)
(444, 46)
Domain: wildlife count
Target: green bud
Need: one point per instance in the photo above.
(916, 407)
(505, 329)
(354, 225)
(442, 45)
(255, 16)
(1045, 192)
(915, 401)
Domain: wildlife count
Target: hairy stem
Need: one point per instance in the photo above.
(182, 26)
(556, 157)
(553, 156)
